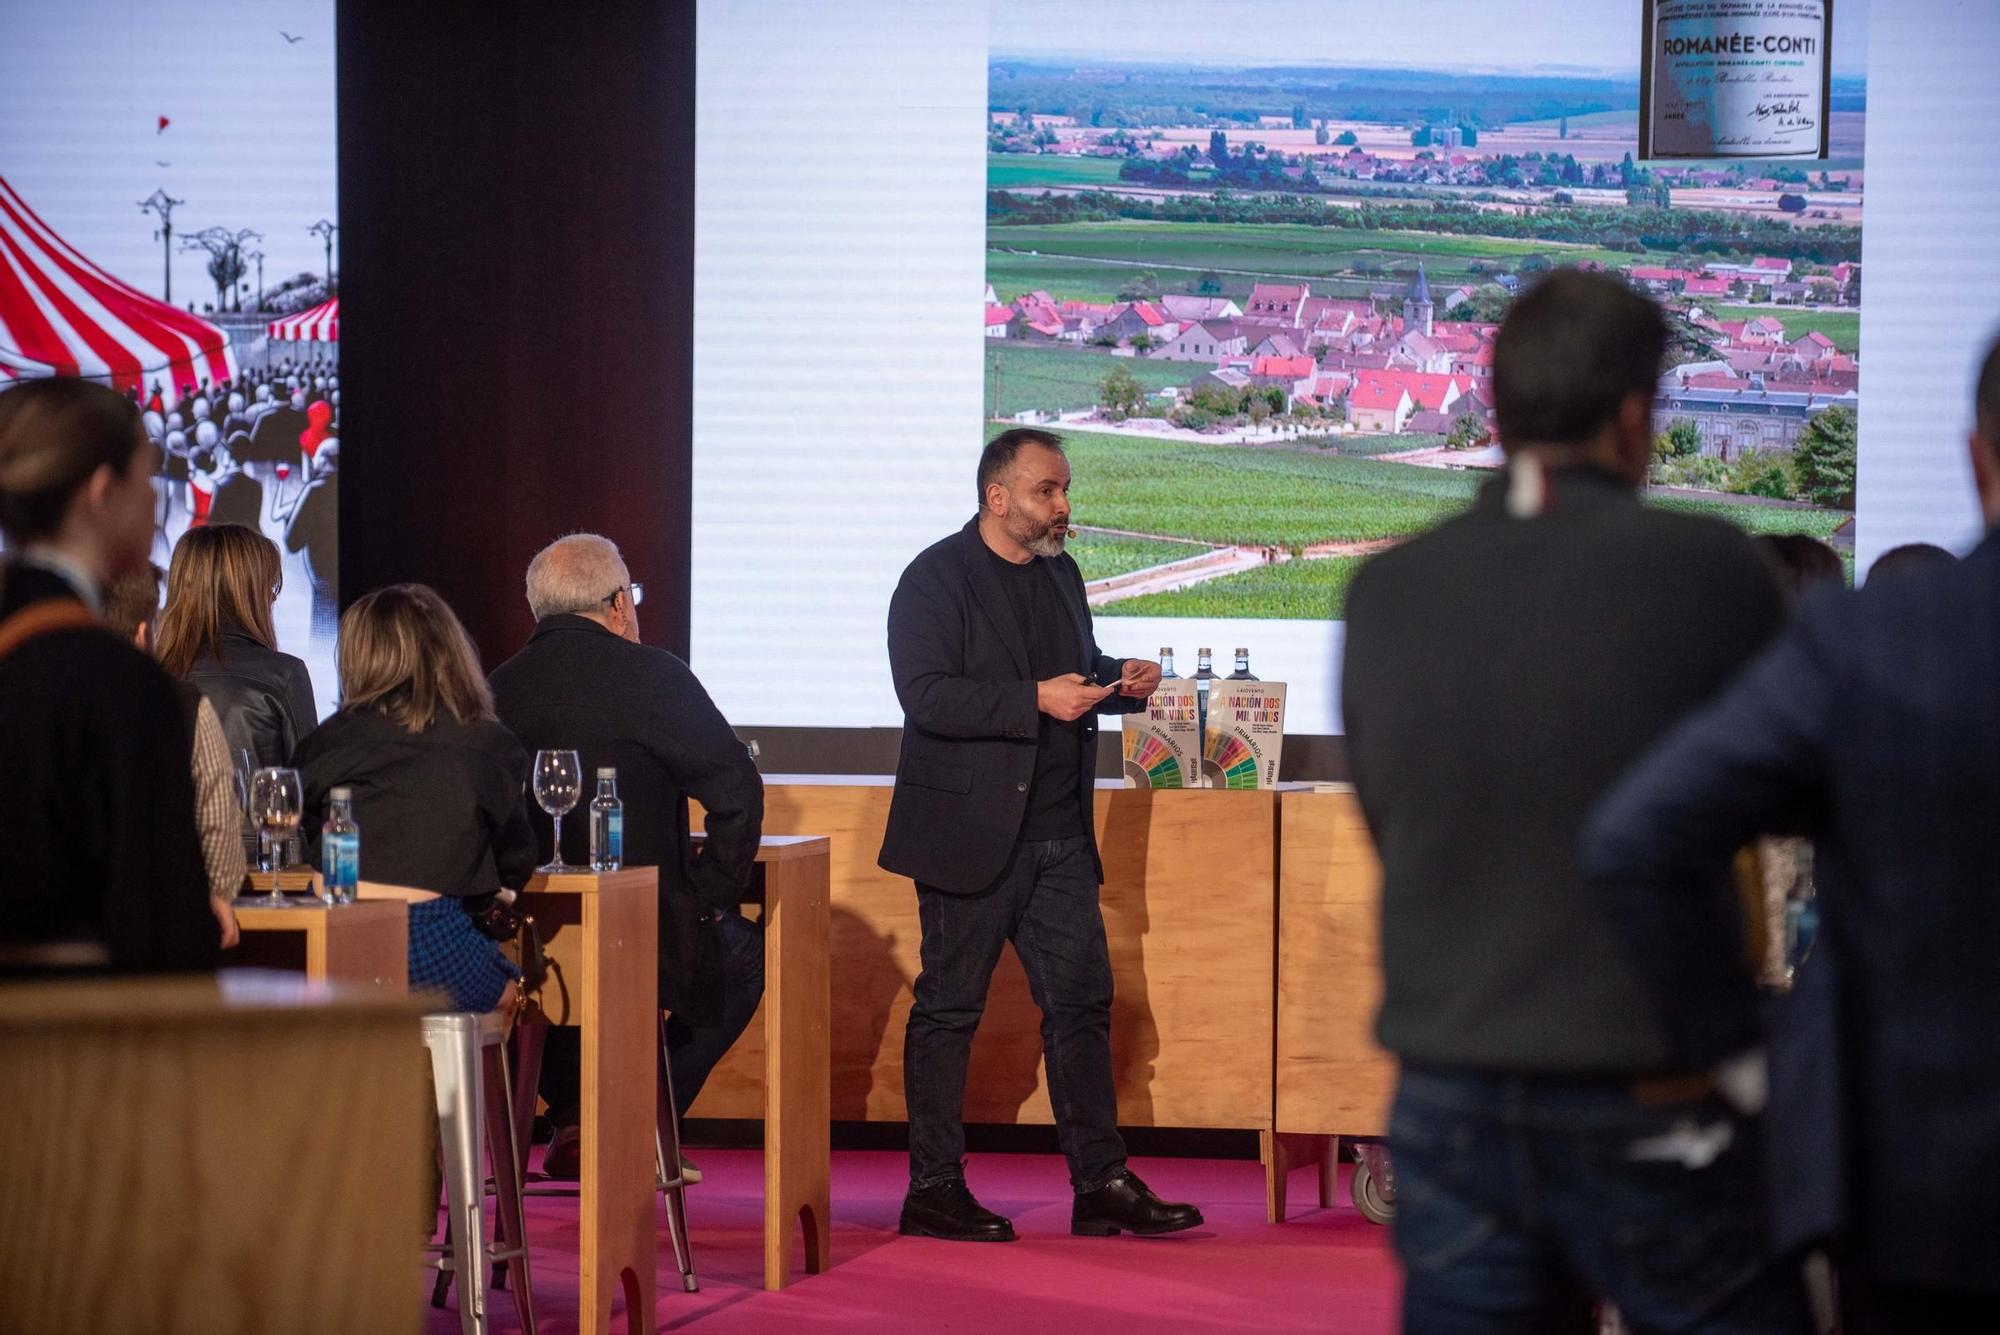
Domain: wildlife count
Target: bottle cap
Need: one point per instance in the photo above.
(607, 772)
(1204, 651)
(340, 794)
(1242, 653)
(1167, 649)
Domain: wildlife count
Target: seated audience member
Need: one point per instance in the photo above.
(131, 607)
(1911, 556)
(216, 632)
(584, 681)
(1549, 1146)
(1872, 725)
(104, 869)
(436, 783)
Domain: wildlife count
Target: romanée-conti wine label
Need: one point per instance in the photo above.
(1735, 78)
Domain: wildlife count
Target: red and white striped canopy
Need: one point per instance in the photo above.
(62, 315)
(321, 324)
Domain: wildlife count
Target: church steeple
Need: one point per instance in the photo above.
(1417, 309)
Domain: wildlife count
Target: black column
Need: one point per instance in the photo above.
(516, 284)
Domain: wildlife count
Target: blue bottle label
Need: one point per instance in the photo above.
(615, 835)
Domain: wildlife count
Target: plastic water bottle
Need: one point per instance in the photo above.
(1167, 672)
(1242, 672)
(340, 847)
(607, 824)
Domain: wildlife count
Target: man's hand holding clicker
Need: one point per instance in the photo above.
(1141, 678)
(1069, 697)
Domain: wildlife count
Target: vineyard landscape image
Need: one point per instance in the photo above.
(1255, 284)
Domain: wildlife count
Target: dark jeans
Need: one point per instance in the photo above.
(1515, 1193)
(692, 1050)
(1045, 902)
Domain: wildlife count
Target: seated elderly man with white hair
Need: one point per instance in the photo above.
(584, 681)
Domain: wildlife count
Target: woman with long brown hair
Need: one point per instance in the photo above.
(435, 783)
(215, 632)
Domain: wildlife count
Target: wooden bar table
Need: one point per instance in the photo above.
(600, 933)
(798, 1083)
(364, 942)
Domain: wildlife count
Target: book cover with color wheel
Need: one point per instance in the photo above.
(1160, 744)
(1246, 734)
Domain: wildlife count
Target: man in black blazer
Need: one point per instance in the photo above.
(1501, 671)
(999, 675)
(584, 681)
(1872, 725)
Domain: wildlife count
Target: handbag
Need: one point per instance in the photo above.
(505, 921)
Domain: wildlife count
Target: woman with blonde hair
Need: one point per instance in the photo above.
(215, 632)
(435, 782)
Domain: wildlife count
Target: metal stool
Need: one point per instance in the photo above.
(469, 1071)
(667, 1160)
(530, 1036)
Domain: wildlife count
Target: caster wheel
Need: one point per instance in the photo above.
(1376, 1205)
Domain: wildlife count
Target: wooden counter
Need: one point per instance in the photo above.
(1190, 902)
(1331, 1078)
(191, 1157)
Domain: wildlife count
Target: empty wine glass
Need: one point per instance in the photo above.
(558, 784)
(276, 802)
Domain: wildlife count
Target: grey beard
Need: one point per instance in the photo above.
(1049, 544)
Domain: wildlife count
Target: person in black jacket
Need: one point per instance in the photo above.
(436, 784)
(999, 675)
(1501, 671)
(585, 682)
(216, 632)
(103, 866)
(1873, 725)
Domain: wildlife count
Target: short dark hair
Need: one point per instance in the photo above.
(55, 434)
(1908, 559)
(1802, 562)
(1568, 354)
(1986, 399)
(133, 600)
(1003, 449)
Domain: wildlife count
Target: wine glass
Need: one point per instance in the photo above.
(276, 802)
(558, 783)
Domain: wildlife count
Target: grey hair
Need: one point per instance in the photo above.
(575, 573)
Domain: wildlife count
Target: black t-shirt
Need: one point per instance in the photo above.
(1054, 810)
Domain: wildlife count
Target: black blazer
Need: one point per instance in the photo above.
(1501, 672)
(97, 797)
(438, 809)
(640, 710)
(959, 656)
(1873, 725)
(264, 697)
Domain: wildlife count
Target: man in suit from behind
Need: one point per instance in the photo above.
(585, 682)
(1872, 725)
(1501, 671)
(1000, 676)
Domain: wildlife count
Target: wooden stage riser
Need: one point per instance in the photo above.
(1192, 912)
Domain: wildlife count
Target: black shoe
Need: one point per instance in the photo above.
(1125, 1203)
(563, 1160)
(947, 1210)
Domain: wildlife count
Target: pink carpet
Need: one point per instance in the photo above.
(1326, 1270)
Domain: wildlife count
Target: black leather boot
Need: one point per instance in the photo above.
(948, 1210)
(1125, 1203)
